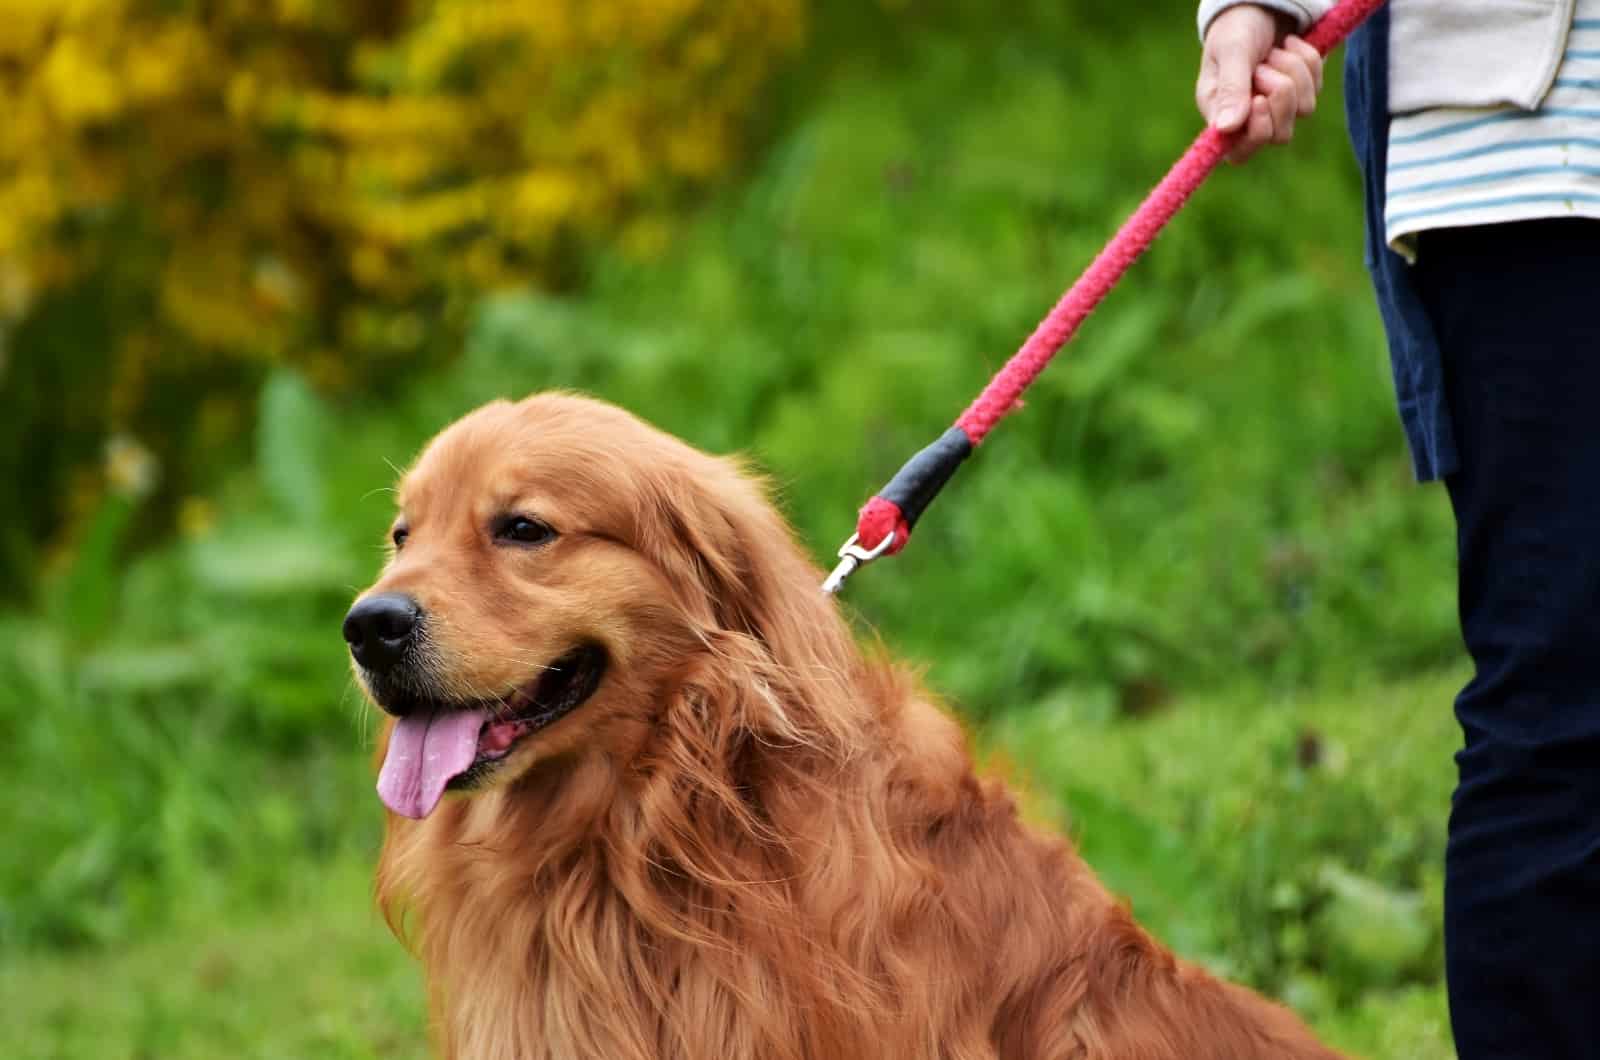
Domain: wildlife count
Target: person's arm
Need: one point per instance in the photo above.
(1255, 73)
(1300, 13)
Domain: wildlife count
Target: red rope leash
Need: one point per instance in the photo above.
(885, 522)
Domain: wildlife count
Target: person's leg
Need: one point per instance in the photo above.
(1517, 311)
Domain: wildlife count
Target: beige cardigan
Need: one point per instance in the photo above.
(1455, 53)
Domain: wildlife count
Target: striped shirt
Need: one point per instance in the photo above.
(1455, 166)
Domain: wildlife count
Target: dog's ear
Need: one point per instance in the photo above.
(782, 659)
(721, 544)
(736, 564)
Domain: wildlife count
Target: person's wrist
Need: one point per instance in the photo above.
(1288, 16)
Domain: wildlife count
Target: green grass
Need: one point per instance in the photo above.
(1292, 842)
(318, 976)
(1192, 815)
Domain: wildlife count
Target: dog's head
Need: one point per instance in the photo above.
(558, 568)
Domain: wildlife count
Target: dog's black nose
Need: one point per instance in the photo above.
(380, 629)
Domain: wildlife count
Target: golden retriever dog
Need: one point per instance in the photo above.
(649, 797)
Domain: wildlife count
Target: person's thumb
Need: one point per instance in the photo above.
(1235, 71)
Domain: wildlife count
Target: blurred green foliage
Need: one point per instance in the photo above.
(1184, 593)
(191, 193)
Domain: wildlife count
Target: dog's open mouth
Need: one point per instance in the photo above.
(444, 745)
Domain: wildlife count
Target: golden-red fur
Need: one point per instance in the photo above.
(754, 840)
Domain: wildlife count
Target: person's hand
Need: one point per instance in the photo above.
(1256, 77)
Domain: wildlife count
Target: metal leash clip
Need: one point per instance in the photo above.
(851, 556)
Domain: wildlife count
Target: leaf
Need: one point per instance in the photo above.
(269, 562)
(147, 669)
(1376, 933)
(85, 598)
(292, 440)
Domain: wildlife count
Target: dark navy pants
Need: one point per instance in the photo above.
(1517, 311)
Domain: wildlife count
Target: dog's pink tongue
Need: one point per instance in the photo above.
(425, 751)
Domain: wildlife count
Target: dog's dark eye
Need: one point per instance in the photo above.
(398, 535)
(522, 530)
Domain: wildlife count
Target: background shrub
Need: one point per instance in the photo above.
(191, 193)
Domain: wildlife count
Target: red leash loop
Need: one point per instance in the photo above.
(885, 522)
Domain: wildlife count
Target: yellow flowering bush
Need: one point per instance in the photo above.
(327, 183)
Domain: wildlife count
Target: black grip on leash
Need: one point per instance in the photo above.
(920, 479)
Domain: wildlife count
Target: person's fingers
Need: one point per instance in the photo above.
(1295, 68)
(1279, 90)
(1256, 132)
(1250, 88)
(1312, 57)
